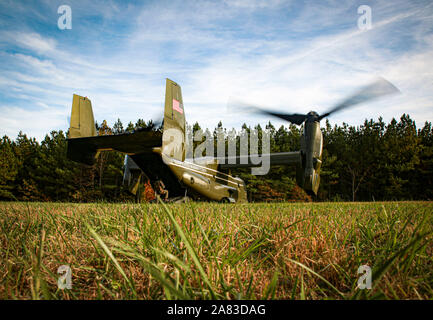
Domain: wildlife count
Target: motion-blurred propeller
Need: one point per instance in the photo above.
(378, 88)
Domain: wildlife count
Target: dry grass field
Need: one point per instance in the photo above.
(216, 251)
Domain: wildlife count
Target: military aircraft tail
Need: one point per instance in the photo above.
(82, 121)
(173, 138)
(84, 143)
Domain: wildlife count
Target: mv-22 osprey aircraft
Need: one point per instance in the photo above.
(161, 156)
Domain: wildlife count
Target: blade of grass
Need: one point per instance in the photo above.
(317, 275)
(189, 247)
(111, 256)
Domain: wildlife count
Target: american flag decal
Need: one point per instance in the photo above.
(177, 106)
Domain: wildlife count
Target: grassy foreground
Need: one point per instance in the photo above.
(220, 251)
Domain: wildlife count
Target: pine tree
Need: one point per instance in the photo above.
(9, 165)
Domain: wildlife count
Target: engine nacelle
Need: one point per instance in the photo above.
(308, 173)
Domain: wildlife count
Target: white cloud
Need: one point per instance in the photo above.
(42, 120)
(35, 41)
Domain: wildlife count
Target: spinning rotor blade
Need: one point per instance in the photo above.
(295, 118)
(379, 88)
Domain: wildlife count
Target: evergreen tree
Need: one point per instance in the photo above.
(118, 127)
(9, 165)
(373, 161)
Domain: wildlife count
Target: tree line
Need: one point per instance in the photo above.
(371, 162)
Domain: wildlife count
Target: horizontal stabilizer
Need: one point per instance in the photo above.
(84, 149)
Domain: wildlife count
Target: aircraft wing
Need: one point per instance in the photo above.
(248, 161)
(85, 149)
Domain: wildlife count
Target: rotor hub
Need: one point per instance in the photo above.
(312, 116)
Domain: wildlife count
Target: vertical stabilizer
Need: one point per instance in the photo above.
(82, 121)
(173, 138)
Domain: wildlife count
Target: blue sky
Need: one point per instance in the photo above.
(292, 56)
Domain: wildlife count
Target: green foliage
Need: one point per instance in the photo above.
(374, 161)
(8, 168)
(35, 171)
